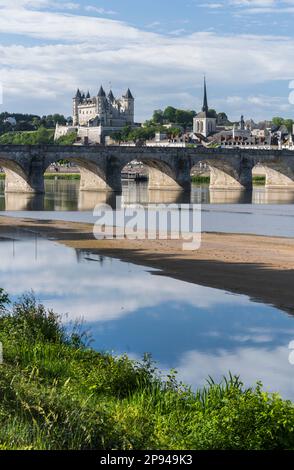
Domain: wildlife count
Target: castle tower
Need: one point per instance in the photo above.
(128, 102)
(111, 97)
(204, 123)
(101, 105)
(75, 108)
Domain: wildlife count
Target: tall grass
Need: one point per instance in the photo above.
(57, 393)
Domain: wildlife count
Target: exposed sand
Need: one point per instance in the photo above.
(257, 266)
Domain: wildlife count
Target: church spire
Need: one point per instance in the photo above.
(205, 104)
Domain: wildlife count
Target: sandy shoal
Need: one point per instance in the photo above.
(258, 266)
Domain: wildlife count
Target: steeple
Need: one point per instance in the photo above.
(205, 104)
(88, 95)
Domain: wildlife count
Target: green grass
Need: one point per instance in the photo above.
(53, 176)
(257, 180)
(57, 393)
(200, 179)
(63, 176)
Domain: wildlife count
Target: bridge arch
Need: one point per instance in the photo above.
(277, 175)
(162, 173)
(93, 177)
(16, 178)
(226, 173)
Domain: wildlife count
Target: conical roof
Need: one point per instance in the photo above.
(101, 92)
(111, 96)
(129, 95)
(78, 94)
(205, 103)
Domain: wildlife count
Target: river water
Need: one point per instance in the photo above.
(129, 309)
(261, 212)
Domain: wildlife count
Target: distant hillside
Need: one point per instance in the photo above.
(41, 136)
(29, 122)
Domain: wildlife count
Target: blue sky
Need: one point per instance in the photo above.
(158, 48)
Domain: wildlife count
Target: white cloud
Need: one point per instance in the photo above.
(99, 10)
(17, 4)
(104, 48)
(271, 366)
(253, 7)
(212, 6)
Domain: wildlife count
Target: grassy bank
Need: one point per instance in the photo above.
(53, 176)
(258, 180)
(200, 179)
(56, 393)
(62, 176)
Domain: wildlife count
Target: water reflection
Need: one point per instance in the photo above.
(62, 195)
(198, 330)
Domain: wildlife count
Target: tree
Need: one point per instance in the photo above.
(213, 113)
(169, 114)
(289, 124)
(173, 132)
(278, 121)
(184, 118)
(158, 116)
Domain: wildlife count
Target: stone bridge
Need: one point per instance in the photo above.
(169, 167)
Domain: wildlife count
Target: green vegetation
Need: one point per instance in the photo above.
(30, 122)
(259, 180)
(141, 134)
(200, 179)
(279, 121)
(181, 117)
(206, 179)
(62, 176)
(68, 139)
(41, 136)
(56, 393)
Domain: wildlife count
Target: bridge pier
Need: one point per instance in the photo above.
(277, 180)
(21, 183)
(220, 179)
(161, 181)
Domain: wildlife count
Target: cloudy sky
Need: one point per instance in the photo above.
(158, 48)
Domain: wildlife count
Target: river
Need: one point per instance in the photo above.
(260, 212)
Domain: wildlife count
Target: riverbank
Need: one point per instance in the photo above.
(257, 266)
(59, 394)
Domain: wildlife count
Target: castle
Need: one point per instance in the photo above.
(99, 116)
